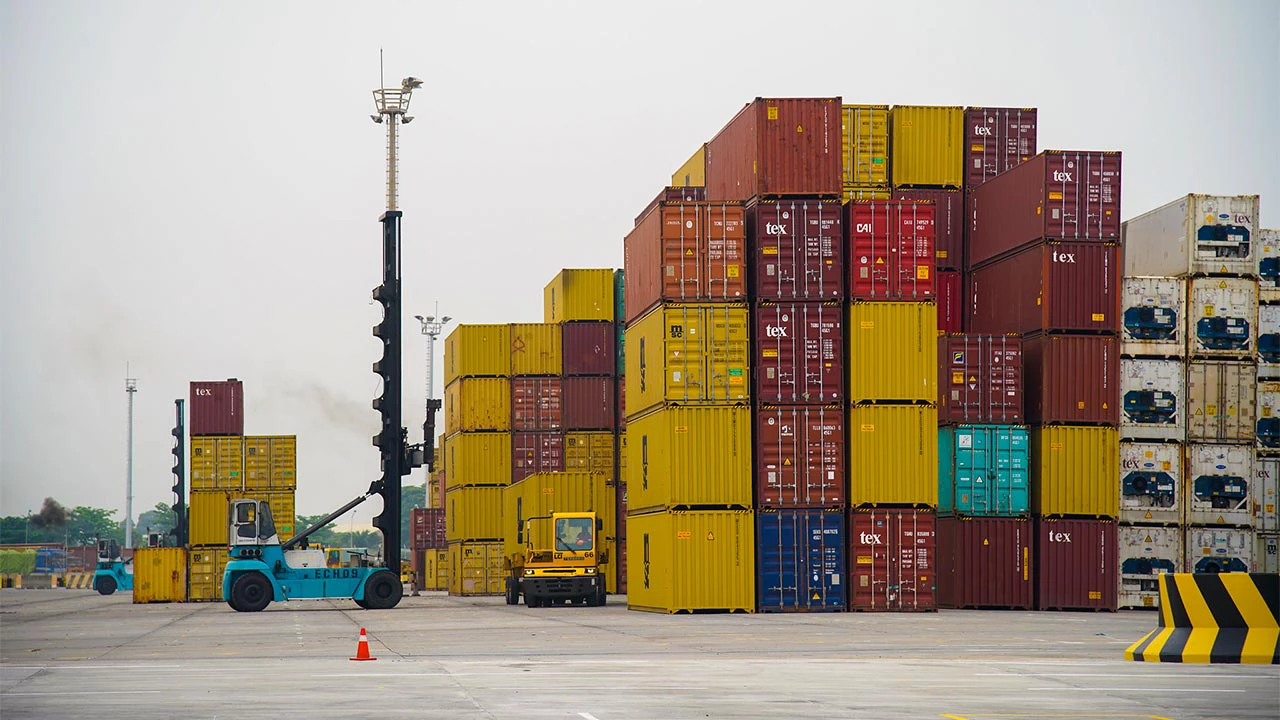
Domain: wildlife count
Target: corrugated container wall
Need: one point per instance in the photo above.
(1195, 234)
(1145, 553)
(270, 462)
(1071, 379)
(588, 348)
(893, 352)
(983, 470)
(688, 353)
(477, 459)
(985, 563)
(207, 514)
(427, 528)
(1268, 341)
(1048, 287)
(475, 568)
(801, 560)
(1221, 401)
(1151, 480)
(980, 379)
(799, 353)
(687, 456)
(797, 245)
(217, 463)
(205, 568)
(1268, 265)
(589, 403)
(685, 252)
(997, 140)
(1153, 316)
(1218, 479)
(1266, 558)
(693, 173)
(159, 575)
(217, 408)
(1217, 550)
(895, 452)
(800, 456)
(864, 142)
(474, 513)
(589, 452)
(1222, 317)
(1266, 493)
(950, 300)
(537, 403)
(536, 452)
(1076, 564)
(686, 561)
(535, 349)
(892, 560)
(927, 146)
(777, 146)
(477, 351)
(472, 404)
(890, 250)
(669, 195)
(948, 223)
(1075, 471)
(579, 294)
(1154, 399)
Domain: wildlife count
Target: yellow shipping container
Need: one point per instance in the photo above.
(893, 352)
(472, 404)
(589, 452)
(688, 352)
(270, 462)
(928, 146)
(685, 561)
(473, 513)
(578, 294)
(693, 173)
(535, 349)
(894, 451)
(478, 459)
(205, 567)
(437, 570)
(1075, 470)
(160, 575)
(540, 494)
(217, 462)
(689, 456)
(859, 193)
(864, 139)
(477, 351)
(475, 568)
(207, 514)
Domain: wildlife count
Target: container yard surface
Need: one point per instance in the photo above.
(77, 655)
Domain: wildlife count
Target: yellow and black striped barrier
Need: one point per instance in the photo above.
(1228, 618)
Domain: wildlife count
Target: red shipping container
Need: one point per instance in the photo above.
(798, 248)
(948, 224)
(1056, 195)
(999, 139)
(685, 252)
(979, 379)
(1076, 564)
(533, 452)
(1071, 379)
(800, 456)
(217, 408)
(890, 250)
(1048, 287)
(892, 559)
(589, 403)
(799, 353)
(777, 146)
(950, 298)
(673, 194)
(588, 348)
(985, 562)
(621, 395)
(537, 403)
(427, 528)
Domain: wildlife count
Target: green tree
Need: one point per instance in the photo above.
(87, 524)
(324, 537)
(157, 520)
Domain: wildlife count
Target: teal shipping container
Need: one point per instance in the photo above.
(983, 471)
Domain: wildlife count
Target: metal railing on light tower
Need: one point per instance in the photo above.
(393, 106)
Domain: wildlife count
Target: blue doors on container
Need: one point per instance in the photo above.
(983, 470)
(800, 560)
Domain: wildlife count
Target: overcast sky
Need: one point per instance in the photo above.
(192, 189)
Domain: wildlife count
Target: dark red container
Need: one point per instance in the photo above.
(890, 250)
(892, 559)
(1071, 379)
(800, 456)
(948, 224)
(685, 252)
(1056, 195)
(985, 562)
(798, 248)
(999, 139)
(979, 379)
(1048, 287)
(1076, 564)
(777, 146)
(217, 408)
(622, 403)
(537, 403)
(427, 527)
(533, 452)
(588, 348)
(799, 353)
(673, 194)
(950, 299)
(589, 403)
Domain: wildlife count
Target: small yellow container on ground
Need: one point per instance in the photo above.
(159, 575)
(475, 568)
(691, 561)
(205, 567)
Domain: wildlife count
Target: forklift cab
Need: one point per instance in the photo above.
(108, 551)
(251, 523)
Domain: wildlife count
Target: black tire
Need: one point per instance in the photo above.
(382, 591)
(105, 585)
(251, 593)
(532, 601)
(602, 597)
(513, 592)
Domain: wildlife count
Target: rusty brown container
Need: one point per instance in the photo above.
(948, 223)
(1056, 195)
(799, 353)
(1076, 564)
(217, 408)
(798, 249)
(1048, 287)
(589, 403)
(949, 289)
(890, 250)
(979, 379)
(777, 146)
(1071, 379)
(892, 559)
(685, 252)
(537, 403)
(673, 194)
(800, 456)
(985, 562)
(533, 452)
(427, 528)
(996, 141)
(588, 348)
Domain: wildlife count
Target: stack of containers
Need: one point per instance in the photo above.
(1043, 261)
(1206, 247)
(429, 547)
(1266, 485)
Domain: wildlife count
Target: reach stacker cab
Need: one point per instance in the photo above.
(112, 573)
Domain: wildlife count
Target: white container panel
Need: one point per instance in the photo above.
(1217, 485)
(1218, 550)
(1145, 554)
(1151, 483)
(1269, 265)
(1267, 429)
(1266, 494)
(1153, 317)
(1269, 342)
(1221, 401)
(1194, 235)
(1153, 399)
(1222, 317)
(1265, 557)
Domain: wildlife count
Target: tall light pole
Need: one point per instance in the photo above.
(131, 388)
(432, 325)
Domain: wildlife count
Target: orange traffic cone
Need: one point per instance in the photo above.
(362, 650)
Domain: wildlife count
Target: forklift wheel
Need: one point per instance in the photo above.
(513, 592)
(251, 593)
(382, 591)
(106, 585)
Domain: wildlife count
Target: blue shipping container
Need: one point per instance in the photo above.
(801, 560)
(50, 560)
(983, 471)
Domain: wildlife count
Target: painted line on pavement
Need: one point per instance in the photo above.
(588, 716)
(1132, 675)
(89, 692)
(1130, 689)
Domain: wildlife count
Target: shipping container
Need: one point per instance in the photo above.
(1266, 557)
(689, 456)
(693, 173)
(577, 295)
(893, 352)
(983, 470)
(686, 252)
(1216, 550)
(475, 568)
(927, 146)
(1071, 379)
(1266, 493)
(1048, 287)
(217, 408)
(691, 561)
(890, 250)
(948, 223)
(590, 452)
(427, 529)
(536, 452)
(1076, 564)
(1268, 342)
(864, 144)
(697, 352)
(477, 351)
(800, 560)
(1222, 317)
(435, 574)
(541, 494)
(205, 568)
(892, 560)
(1075, 471)
(1153, 316)
(798, 353)
(777, 146)
(800, 456)
(985, 563)
(537, 403)
(894, 455)
(1194, 235)
(1221, 401)
(860, 193)
(1056, 195)
(589, 403)
(1218, 480)
(1268, 266)
(950, 301)
(797, 245)
(997, 140)
(159, 575)
(1153, 398)
(477, 404)
(474, 513)
(535, 349)
(1151, 480)
(588, 347)
(217, 463)
(1146, 553)
(980, 379)
(472, 459)
(208, 523)
(673, 195)
(270, 462)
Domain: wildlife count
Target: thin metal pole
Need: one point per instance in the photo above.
(391, 160)
(131, 388)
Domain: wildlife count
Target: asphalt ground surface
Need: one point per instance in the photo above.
(75, 654)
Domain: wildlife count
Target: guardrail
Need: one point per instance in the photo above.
(1227, 618)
